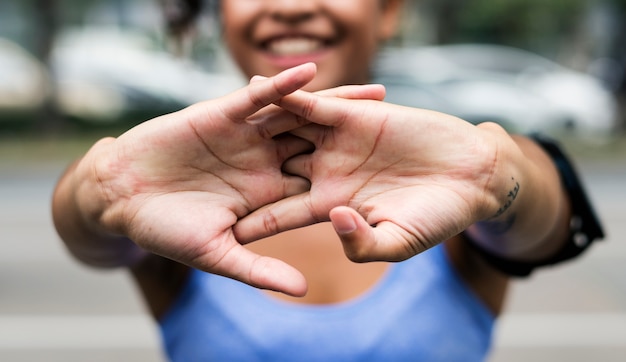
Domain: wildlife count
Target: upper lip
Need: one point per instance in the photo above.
(265, 42)
(265, 39)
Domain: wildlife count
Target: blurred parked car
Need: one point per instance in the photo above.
(520, 90)
(104, 75)
(23, 82)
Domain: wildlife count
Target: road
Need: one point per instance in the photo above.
(54, 309)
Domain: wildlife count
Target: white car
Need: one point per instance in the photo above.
(23, 80)
(520, 90)
(103, 74)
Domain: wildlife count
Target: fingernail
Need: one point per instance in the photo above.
(345, 226)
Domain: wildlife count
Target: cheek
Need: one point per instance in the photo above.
(360, 52)
(233, 37)
(364, 38)
(235, 22)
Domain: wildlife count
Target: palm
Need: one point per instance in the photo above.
(404, 170)
(177, 184)
(200, 186)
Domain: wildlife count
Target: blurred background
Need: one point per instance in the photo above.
(74, 71)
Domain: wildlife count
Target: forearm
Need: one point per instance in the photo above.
(532, 220)
(83, 237)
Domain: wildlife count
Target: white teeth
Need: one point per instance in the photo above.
(294, 46)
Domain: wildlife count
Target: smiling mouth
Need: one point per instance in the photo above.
(290, 46)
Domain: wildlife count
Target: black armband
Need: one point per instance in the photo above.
(585, 227)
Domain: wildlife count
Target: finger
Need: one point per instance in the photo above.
(260, 271)
(288, 146)
(374, 92)
(312, 132)
(244, 102)
(283, 215)
(363, 243)
(300, 165)
(295, 185)
(357, 236)
(275, 120)
(327, 111)
(256, 78)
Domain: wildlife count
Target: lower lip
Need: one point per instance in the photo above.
(289, 61)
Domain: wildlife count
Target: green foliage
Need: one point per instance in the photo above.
(518, 22)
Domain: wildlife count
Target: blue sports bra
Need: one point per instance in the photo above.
(419, 311)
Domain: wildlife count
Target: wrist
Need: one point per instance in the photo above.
(89, 194)
(532, 215)
(508, 171)
(526, 206)
(78, 208)
(575, 224)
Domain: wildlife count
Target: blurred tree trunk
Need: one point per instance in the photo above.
(46, 22)
(447, 14)
(605, 45)
(617, 51)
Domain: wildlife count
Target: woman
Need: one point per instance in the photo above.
(176, 197)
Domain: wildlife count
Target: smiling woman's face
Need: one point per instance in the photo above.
(340, 36)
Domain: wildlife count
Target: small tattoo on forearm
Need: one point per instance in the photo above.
(510, 197)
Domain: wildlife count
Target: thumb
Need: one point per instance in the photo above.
(361, 242)
(357, 236)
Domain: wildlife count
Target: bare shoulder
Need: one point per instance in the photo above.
(488, 283)
(160, 280)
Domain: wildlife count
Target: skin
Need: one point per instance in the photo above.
(435, 188)
(119, 206)
(143, 191)
(350, 33)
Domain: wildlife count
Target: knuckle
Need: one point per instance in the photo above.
(357, 255)
(255, 99)
(270, 223)
(308, 107)
(263, 131)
